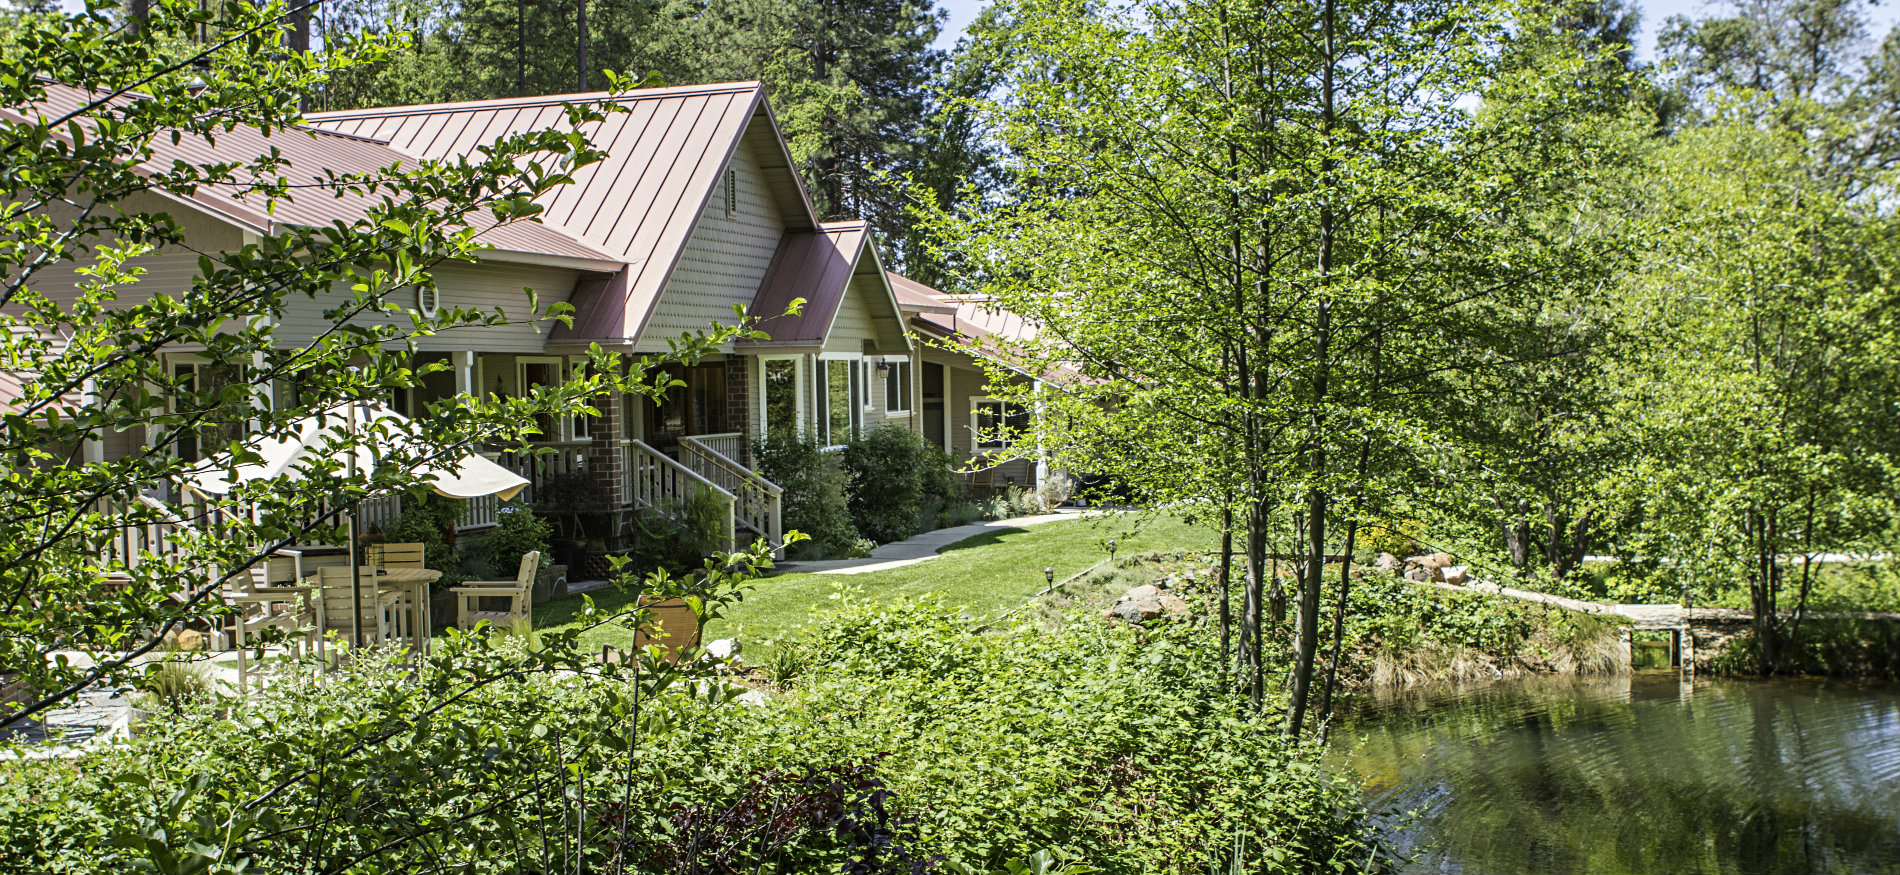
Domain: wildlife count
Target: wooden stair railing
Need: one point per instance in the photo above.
(658, 482)
(759, 500)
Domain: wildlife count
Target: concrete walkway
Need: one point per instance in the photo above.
(922, 548)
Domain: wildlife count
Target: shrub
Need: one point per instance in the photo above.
(682, 534)
(885, 487)
(814, 501)
(518, 531)
(428, 519)
(932, 748)
(1055, 489)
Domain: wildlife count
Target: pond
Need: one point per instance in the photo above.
(1641, 773)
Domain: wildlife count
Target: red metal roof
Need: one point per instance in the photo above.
(665, 154)
(815, 266)
(309, 153)
(914, 297)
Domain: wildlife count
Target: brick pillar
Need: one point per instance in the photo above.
(603, 456)
(738, 396)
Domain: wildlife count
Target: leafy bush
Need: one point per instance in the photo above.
(518, 532)
(683, 535)
(814, 500)
(886, 470)
(427, 519)
(935, 749)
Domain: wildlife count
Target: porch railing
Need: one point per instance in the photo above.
(658, 482)
(757, 499)
(154, 539)
(731, 445)
(567, 457)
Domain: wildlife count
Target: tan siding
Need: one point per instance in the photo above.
(168, 271)
(724, 262)
(854, 324)
(123, 444)
(487, 286)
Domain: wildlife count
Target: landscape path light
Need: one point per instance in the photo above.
(1049, 574)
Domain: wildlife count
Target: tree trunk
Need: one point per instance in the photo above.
(1307, 642)
(1226, 575)
(580, 44)
(1517, 538)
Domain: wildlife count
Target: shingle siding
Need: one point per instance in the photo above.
(488, 286)
(725, 260)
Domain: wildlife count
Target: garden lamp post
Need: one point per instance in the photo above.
(1111, 550)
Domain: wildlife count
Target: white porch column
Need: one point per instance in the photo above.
(92, 450)
(1042, 457)
(465, 376)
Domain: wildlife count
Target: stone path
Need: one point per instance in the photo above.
(922, 548)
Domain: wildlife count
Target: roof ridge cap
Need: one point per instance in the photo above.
(636, 94)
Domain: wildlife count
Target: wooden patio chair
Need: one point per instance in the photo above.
(980, 483)
(674, 626)
(264, 607)
(518, 592)
(404, 555)
(382, 611)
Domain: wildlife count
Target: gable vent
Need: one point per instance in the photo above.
(732, 193)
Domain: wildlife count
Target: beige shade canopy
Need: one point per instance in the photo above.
(467, 476)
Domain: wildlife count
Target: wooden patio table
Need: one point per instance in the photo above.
(414, 584)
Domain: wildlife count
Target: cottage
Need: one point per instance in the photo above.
(696, 210)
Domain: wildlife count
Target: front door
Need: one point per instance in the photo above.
(697, 407)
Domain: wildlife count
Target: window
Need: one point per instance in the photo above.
(840, 399)
(428, 298)
(223, 421)
(781, 395)
(995, 423)
(580, 426)
(532, 371)
(896, 385)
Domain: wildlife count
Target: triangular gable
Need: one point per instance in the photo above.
(642, 202)
(819, 268)
(815, 266)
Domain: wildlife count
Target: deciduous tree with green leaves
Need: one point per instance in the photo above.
(1270, 253)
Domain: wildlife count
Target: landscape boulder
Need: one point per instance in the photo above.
(1146, 602)
(1433, 564)
(1388, 563)
(1456, 573)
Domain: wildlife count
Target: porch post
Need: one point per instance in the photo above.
(1042, 457)
(464, 371)
(93, 449)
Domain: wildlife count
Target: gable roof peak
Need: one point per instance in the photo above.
(543, 100)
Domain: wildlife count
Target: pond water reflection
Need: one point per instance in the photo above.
(1642, 773)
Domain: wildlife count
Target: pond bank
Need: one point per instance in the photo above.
(1648, 772)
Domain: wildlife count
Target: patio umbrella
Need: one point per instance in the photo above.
(326, 436)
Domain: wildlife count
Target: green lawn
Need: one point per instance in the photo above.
(985, 575)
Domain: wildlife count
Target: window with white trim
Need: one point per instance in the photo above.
(532, 371)
(897, 385)
(840, 400)
(428, 298)
(221, 422)
(779, 403)
(995, 423)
